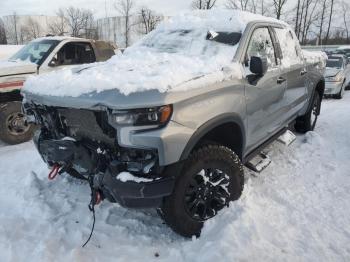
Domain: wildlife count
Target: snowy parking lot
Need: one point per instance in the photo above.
(298, 209)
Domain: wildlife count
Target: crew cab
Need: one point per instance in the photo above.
(171, 122)
(40, 56)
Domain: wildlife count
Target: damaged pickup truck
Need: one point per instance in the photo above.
(40, 56)
(171, 122)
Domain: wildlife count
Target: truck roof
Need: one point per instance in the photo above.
(216, 19)
(61, 38)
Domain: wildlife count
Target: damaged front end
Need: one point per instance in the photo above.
(84, 143)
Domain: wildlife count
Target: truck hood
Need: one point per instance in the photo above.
(113, 99)
(135, 72)
(331, 71)
(8, 68)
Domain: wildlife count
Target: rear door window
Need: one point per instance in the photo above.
(291, 53)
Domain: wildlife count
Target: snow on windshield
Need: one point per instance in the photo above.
(35, 51)
(179, 55)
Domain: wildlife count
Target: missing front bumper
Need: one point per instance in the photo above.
(87, 162)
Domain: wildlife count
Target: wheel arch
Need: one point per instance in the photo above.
(319, 87)
(226, 129)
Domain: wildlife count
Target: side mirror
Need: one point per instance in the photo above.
(53, 62)
(258, 65)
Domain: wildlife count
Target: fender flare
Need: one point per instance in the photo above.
(210, 125)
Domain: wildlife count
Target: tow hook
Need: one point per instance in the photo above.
(54, 172)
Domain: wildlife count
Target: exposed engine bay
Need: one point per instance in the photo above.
(84, 144)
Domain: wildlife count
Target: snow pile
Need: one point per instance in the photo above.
(6, 51)
(174, 57)
(297, 209)
(127, 177)
(316, 57)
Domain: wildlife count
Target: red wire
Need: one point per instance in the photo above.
(54, 172)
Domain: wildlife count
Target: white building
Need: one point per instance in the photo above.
(112, 29)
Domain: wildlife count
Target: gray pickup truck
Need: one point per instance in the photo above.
(172, 121)
(40, 56)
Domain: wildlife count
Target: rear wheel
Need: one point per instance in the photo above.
(211, 177)
(13, 127)
(308, 121)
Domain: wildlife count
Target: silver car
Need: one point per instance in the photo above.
(180, 150)
(337, 76)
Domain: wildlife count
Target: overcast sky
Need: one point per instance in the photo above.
(48, 7)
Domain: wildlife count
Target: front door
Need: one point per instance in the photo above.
(264, 95)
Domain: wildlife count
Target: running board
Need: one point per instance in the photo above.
(259, 162)
(287, 138)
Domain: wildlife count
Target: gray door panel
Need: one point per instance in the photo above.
(264, 107)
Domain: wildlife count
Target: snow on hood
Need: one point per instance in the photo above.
(16, 67)
(174, 57)
(313, 57)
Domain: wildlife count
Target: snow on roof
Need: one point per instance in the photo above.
(58, 38)
(174, 57)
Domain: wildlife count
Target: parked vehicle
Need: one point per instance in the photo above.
(171, 123)
(343, 50)
(40, 56)
(337, 76)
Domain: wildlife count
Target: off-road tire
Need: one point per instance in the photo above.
(216, 157)
(305, 123)
(6, 110)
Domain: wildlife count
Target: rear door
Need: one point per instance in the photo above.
(294, 70)
(264, 94)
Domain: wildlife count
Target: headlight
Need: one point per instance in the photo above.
(336, 78)
(155, 116)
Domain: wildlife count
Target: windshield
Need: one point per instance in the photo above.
(35, 52)
(335, 63)
(199, 41)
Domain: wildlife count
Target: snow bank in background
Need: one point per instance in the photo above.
(6, 51)
(314, 57)
(297, 209)
(168, 59)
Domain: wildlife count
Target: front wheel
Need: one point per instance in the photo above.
(13, 127)
(211, 178)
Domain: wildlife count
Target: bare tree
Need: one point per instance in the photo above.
(60, 25)
(79, 21)
(203, 4)
(322, 20)
(254, 6)
(125, 9)
(148, 19)
(237, 4)
(329, 21)
(345, 8)
(3, 38)
(278, 6)
(32, 29)
(11, 28)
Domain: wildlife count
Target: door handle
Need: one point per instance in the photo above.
(303, 72)
(280, 80)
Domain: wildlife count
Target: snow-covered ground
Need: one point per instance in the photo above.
(298, 209)
(6, 51)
